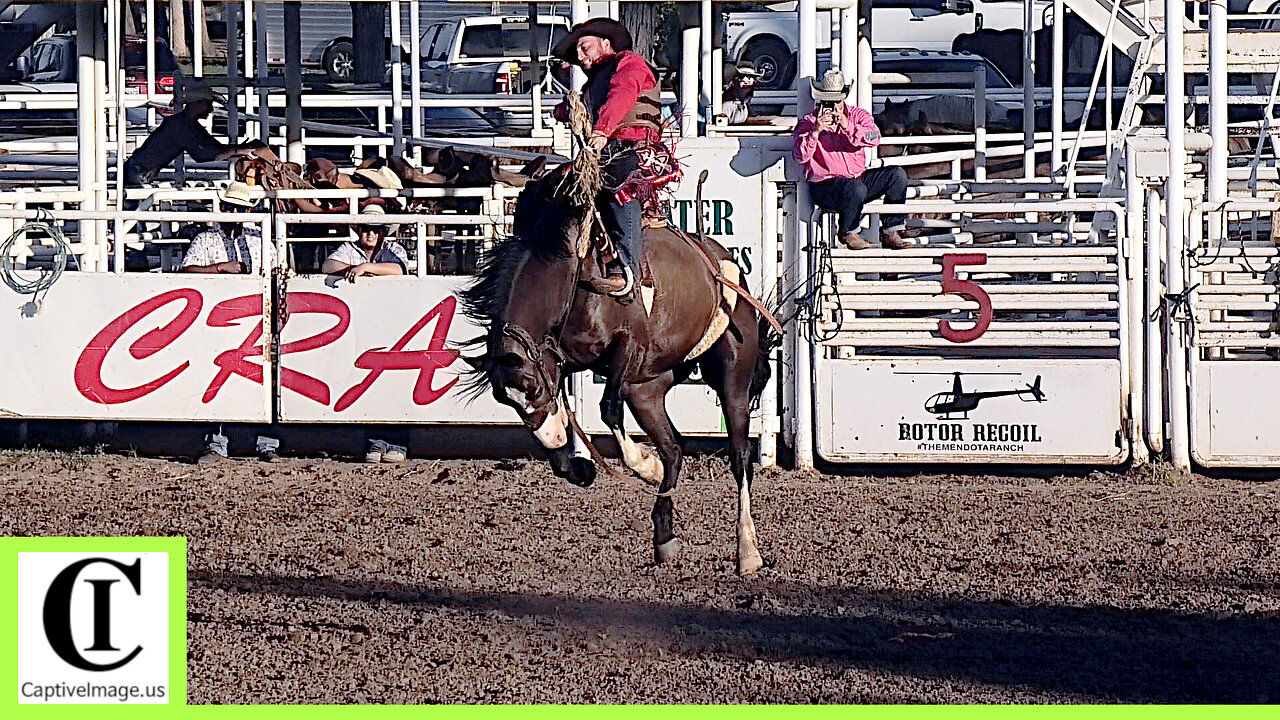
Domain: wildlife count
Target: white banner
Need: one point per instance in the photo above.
(189, 347)
(1016, 411)
(382, 349)
(136, 347)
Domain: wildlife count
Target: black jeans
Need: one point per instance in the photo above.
(625, 222)
(847, 196)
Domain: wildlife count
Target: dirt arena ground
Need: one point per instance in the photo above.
(492, 581)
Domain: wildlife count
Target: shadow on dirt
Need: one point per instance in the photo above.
(1092, 653)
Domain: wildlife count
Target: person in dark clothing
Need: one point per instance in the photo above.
(180, 132)
(622, 95)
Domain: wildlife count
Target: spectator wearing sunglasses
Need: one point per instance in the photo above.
(369, 252)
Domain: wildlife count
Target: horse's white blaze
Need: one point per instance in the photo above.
(645, 464)
(553, 433)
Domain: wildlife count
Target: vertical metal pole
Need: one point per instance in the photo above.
(806, 57)
(198, 25)
(231, 13)
(980, 124)
(1175, 221)
(787, 282)
(865, 99)
(849, 48)
(293, 81)
(415, 78)
(86, 123)
(717, 81)
(578, 12)
(1028, 90)
(397, 82)
(704, 64)
(802, 235)
(535, 65)
(260, 57)
(837, 42)
(150, 40)
(106, 59)
(1218, 151)
(1153, 331)
(122, 136)
(1131, 328)
(689, 82)
(249, 94)
(768, 288)
(1059, 67)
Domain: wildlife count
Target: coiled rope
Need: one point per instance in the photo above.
(586, 165)
(44, 222)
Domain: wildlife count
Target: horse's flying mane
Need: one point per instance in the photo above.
(543, 214)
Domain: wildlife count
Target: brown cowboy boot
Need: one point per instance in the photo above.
(854, 241)
(607, 284)
(411, 175)
(894, 241)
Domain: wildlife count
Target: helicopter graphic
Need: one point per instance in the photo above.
(956, 404)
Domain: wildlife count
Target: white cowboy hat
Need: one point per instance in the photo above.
(831, 88)
(384, 177)
(372, 208)
(237, 193)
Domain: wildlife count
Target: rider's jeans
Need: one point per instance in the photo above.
(626, 223)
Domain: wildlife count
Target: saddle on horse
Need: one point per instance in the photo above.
(655, 166)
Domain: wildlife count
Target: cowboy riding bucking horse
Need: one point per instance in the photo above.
(621, 95)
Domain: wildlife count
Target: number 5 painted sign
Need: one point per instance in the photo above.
(968, 289)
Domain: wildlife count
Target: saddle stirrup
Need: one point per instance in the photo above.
(631, 282)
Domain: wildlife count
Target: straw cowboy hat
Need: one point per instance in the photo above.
(831, 88)
(372, 206)
(612, 30)
(237, 193)
(383, 177)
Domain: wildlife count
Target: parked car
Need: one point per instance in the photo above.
(769, 39)
(49, 67)
(928, 74)
(491, 54)
(53, 60)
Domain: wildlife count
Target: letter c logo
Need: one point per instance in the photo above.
(57, 613)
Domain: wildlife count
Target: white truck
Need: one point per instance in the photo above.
(769, 38)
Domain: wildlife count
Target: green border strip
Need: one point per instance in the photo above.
(176, 547)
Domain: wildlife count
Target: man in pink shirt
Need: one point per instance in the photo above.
(829, 143)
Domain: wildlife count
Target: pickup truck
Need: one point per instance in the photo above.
(769, 39)
(491, 54)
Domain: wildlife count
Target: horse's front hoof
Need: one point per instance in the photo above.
(667, 551)
(749, 563)
(582, 472)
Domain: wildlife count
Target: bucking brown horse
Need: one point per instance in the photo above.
(543, 324)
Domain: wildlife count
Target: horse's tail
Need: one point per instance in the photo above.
(769, 339)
